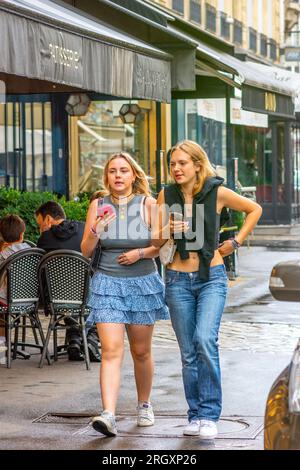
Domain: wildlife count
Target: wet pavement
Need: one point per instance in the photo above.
(50, 408)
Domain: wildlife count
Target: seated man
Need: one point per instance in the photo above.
(59, 233)
(12, 229)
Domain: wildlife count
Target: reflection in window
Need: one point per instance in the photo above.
(253, 147)
(102, 133)
(209, 133)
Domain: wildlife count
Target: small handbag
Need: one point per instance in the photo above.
(167, 252)
(95, 259)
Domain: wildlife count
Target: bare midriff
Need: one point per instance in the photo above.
(192, 264)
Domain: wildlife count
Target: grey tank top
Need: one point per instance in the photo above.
(127, 232)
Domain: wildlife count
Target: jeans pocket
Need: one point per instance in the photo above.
(218, 273)
(171, 277)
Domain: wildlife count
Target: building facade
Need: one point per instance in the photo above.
(265, 149)
(255, 26)
(214, 93)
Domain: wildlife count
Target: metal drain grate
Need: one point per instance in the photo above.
(78, 419)
(165, 426)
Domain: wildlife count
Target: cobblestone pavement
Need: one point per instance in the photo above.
(251, 336)
(246, 336)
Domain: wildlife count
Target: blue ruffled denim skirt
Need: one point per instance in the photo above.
(133, 300)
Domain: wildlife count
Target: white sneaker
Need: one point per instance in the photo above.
(208, 429)
(105, 423)
(145, 415)
(193, 428)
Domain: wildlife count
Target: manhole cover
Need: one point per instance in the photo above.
(165, 426)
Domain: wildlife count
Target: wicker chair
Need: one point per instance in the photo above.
(21, 270)
(64, 276)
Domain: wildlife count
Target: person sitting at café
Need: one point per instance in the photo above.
(59, 233)
(12, 229)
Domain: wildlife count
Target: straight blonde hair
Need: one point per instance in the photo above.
(141, 184)
(199, 158)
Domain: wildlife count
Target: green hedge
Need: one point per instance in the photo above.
(25, 203)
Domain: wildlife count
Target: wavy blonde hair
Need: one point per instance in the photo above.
(140, 186)
(199, 158)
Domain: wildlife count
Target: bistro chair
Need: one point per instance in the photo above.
(21, 271)
(64, 279)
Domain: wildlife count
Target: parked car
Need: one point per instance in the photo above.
(282, 416)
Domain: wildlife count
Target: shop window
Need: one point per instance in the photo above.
(102, 133)
(238, 32)
(195, 11)
(26, 146)
(263, 45)
(209, 132)
(295, 139)
(252, 40)
(254, 149)
(178, 5)
(211, 18)
(225, 26)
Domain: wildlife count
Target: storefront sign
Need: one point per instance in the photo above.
(61, 56)
(274, 104)
(151, 78)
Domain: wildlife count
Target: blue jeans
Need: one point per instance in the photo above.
(196, 309)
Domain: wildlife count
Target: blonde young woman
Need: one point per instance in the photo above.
(126, 290)
(196, 281)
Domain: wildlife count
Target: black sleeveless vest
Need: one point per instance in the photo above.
(208, 197)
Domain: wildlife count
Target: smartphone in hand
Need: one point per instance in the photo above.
(105, 209)
(176, 216)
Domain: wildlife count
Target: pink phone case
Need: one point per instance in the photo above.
(105, 209)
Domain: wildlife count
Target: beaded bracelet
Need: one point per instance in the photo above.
(141, 253)
(236, 245)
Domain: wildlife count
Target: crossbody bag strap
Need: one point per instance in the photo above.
(143, 211)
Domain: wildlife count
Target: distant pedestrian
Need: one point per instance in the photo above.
(196, 281)
(126, 289)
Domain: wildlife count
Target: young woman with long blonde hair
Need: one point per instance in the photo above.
(126, 290)
(196, 281)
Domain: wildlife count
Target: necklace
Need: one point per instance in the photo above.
(122, 205)
(118, 198)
